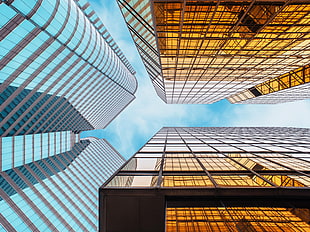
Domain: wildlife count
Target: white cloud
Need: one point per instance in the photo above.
(146, 115)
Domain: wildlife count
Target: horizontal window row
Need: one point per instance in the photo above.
(201, 181)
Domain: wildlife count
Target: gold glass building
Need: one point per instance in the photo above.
(203, 51)
(212, 179)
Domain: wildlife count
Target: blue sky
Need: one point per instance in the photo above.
(148, 113)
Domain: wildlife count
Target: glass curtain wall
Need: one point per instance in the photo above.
(235, 167)
(204, 51)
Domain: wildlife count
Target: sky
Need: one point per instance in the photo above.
(133, 127)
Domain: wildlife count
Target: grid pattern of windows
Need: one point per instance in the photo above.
(235, 219)
(60, 69)
(256, 175)
(291, 86)
(296, 93)
(23, 149)
(58, 193)
(138, 16)
(204, 51)
(216, 157)
(51, 113)
(60, 73)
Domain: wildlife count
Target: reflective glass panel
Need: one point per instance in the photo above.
(236, 219)
(133, 181)
(138, 164)
(186, 181)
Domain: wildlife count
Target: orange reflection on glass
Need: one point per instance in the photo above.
(250, 163)
(178, 155)
(240, 181)
(289, 181)
(181, 164)
(220, 164)
(236, 219)
(194, 35)
(186, 181)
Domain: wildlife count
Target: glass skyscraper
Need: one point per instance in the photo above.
(204, 51)
(59, 192)
(60, 68)
(212, 179)
(60, 73)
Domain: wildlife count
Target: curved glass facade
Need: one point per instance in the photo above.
(58, 193)
(60, 73)
(60, 68)
(23, 149)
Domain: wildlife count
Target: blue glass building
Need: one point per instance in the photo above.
(57, 193)
(60, 68)
(60, 73)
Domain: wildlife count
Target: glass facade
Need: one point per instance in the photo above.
(60, 68)
(60, 73)
(210, 179)
(231, 219)
(291, 86)
(204, 51)
(58, 193)
(23, 149)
